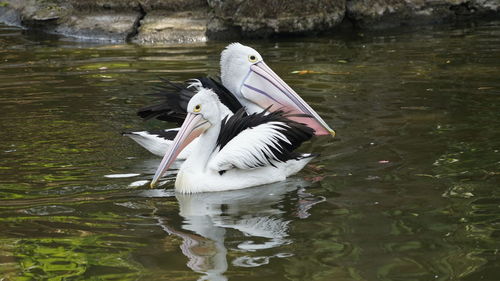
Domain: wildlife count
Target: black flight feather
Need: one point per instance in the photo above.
(164, 134)
(175, 98)
(225, 96)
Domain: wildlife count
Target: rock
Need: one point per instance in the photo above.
(110, 26)
(179, 27)
(29, 12)
(61, 17)
(115, 5)
(142, 21)
(221, 30)
(174, 5)
(390, 13)
(180, 21)
(10, 16)
(265, 17)
(146, 5)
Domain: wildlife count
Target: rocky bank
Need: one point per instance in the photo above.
(181, 21)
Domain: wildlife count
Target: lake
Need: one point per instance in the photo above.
(408, 190)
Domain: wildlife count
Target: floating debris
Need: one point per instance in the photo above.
(302, 72)
(117, 176)
(139, 183)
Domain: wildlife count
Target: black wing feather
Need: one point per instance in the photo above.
(164, 134)
(175, 98)
(225, 96)
(295, 132)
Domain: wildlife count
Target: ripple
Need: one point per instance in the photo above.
(415, 113)
(48, 210)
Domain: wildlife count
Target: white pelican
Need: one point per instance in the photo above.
(246, 81)
(173, 109)
(241, 151)
(245, 74)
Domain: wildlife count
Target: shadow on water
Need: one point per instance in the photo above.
(408, 190)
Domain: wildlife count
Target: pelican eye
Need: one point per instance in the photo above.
(252, 58)
(197, 108)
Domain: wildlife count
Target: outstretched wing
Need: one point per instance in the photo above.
(258, 140)
(175, 98)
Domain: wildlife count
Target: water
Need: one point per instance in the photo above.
(408, 191)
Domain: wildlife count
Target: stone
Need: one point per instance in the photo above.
(61, 17)
(10, 16)
(390, 13)
(182, 21)
(174, 5)
(102, 26)
(142, 21)
(177, 27)
(146, 5)
(32, 11)
(266, 17)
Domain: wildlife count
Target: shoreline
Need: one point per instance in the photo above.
(194, 21)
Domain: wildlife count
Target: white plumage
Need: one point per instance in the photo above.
(248, 81)
(241, 152)
(155, 143)
(250, 148)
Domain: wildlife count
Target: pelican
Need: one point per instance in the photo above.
(241, 151)
(173, 109)
(247, 82)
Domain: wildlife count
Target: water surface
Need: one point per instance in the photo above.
(407, 191)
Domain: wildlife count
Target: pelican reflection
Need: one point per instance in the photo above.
(255, 219)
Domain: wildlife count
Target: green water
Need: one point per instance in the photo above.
(409, 190)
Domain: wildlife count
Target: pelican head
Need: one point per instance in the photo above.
(246, 75)
(202, 112)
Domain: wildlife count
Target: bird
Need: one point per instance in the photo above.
(175, 97)
(240, 151)
(246, 82)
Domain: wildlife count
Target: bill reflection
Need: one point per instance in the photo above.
(256, 219)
